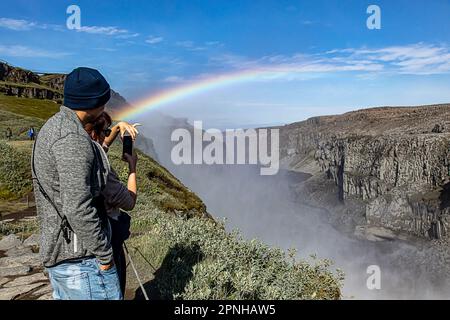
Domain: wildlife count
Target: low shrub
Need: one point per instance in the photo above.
(198, 259)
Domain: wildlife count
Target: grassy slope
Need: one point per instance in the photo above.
(38, 108)
(179, 253)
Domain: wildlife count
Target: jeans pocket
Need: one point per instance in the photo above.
(72, 287)
(109, 283)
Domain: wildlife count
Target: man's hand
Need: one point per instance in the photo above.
(106, 267)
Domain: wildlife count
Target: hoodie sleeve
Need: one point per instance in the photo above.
(74, 160)
(116, 193)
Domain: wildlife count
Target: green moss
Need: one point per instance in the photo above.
(5, 193)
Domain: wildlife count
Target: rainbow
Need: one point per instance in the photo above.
(203, 85)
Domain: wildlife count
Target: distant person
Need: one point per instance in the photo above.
(117, 196)
(31, 133)
(69, 176)
(8, 133)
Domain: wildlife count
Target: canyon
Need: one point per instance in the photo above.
(388, 167)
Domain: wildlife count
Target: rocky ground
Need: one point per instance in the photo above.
(21, 272)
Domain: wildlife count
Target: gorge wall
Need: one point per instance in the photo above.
(390, 165)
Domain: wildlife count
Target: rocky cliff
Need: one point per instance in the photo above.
(36, 92)
(18, 82)
(389, 166)
(9, 73)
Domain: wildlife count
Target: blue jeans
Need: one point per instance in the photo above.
(84, 280)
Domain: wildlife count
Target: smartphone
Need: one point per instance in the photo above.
(127, 145)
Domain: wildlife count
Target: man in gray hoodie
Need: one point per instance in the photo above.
(69, 175)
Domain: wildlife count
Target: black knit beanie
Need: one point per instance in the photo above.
(85, 88)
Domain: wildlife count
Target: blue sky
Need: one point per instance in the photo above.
(143, 47)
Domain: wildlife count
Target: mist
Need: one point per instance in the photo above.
(267, 208)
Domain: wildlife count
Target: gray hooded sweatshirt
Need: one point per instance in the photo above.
(72, 173)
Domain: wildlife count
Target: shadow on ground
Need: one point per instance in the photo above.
(173, 275)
